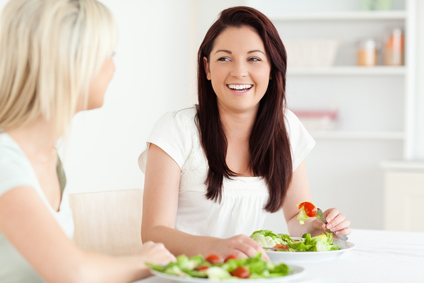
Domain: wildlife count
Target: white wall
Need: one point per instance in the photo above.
(419, 146)
(152, 77)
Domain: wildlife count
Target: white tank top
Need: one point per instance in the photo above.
(241, 210)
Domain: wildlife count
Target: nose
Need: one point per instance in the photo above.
(239, 69)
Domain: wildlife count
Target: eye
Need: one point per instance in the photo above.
(254, 59)
(224, 59)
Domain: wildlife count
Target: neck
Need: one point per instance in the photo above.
(237, 123)
(37, 140)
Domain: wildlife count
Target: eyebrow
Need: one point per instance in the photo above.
(229, 52)
(253, 51)
(222, 50)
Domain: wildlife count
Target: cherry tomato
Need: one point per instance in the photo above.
(213, 259)
(203, 267)
(229, 257)
(309, 208)
(280, 246)
(240, 272)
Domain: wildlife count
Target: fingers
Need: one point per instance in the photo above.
(330, 214)
(337, 222)
(243, 246)
(345, 231)
(156, 253)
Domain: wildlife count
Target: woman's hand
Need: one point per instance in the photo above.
(336, 223)
(241, 246)
(156, 253)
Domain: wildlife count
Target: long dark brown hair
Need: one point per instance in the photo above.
(269, 146)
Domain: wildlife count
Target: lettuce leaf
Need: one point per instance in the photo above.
(266, 238)
(302, 216)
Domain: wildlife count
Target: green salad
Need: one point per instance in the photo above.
(321, 243)
(231, 268)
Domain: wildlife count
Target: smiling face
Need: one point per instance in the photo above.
(238, 69)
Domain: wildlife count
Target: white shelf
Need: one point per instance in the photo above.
(342, 16)
(354, 135)
(404, 165)
(347, 70)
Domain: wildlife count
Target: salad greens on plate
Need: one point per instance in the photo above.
(321, 243)
(232, 268)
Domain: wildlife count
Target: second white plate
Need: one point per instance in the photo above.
(299, 257)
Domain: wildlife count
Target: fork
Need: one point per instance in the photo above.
(319, 215)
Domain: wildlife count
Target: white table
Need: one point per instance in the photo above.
(379, 256)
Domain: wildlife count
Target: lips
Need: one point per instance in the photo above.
(240, 88)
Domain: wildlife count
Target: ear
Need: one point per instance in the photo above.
(206, 65)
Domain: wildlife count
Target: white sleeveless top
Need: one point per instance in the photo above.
(241, 210)
(15, 171)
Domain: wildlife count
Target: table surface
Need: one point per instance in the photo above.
(379, 256)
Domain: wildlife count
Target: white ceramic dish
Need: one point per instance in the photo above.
(299, 257)
(297, 272)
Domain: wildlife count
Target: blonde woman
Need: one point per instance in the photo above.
(55, 60)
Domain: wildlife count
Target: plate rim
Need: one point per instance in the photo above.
(300, 270)
(314, 253)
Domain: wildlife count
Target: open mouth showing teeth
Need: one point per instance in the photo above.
(240, 88)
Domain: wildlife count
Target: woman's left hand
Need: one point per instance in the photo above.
(336, 223)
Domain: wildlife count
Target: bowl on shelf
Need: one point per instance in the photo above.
(311, 52)
(317, 120)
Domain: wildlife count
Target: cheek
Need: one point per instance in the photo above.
(218, 77)
(263, 77)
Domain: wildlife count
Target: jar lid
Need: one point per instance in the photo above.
(397, 31)
(368, 44)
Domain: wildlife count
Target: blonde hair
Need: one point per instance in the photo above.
(50, 50)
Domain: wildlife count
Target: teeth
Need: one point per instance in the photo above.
(240, 86)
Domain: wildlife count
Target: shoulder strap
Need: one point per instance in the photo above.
(61, 175)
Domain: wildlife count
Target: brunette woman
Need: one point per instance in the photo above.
(214, 171)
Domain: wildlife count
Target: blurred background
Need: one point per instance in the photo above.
(355, 79)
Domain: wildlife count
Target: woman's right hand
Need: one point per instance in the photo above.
(241, 246)
(156, 253)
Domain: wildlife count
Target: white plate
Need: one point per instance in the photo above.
(298, 257)
(297, 272)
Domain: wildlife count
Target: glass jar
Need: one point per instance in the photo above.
(367, 52)
(394, 48)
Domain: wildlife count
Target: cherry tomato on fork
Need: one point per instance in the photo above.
(229, 257)
(309, 208)
(213, 259)
(240, 272)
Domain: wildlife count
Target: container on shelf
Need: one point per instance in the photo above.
(311, 52)
(367, 53)
(394, 48)
(317, 120)
(369, 5)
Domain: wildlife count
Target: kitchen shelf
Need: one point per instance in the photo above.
(402, 165)
(342, 16)
(356, 135)
(347, 71)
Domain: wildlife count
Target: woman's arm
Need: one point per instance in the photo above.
(299, 192)
(32, 230)
(160, 203)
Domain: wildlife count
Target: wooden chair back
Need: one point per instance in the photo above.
(108, 222)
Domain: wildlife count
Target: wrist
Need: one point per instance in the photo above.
(211, 247)
(143, 270)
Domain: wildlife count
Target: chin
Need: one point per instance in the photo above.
(92, 106)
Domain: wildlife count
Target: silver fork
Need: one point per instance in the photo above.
(319, 215)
